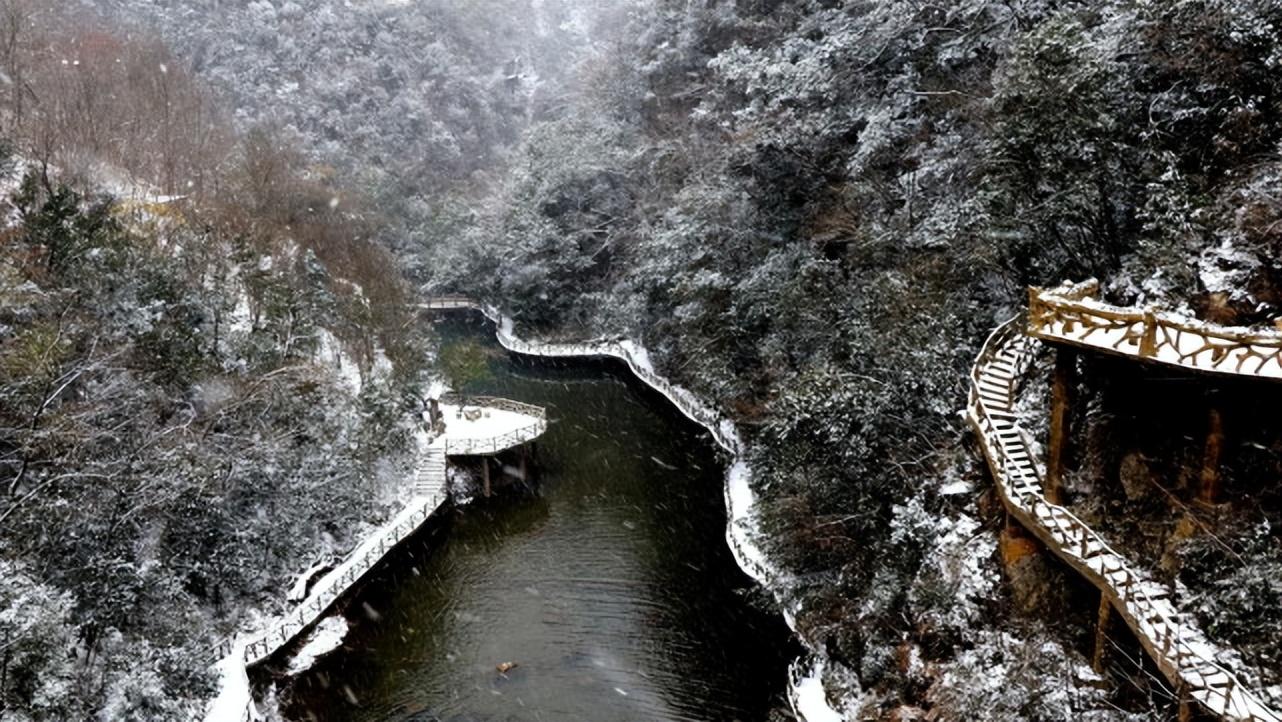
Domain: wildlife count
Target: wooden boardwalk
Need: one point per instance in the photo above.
(521, 423)
(1182, 653)
(723, 430)
(1173, 641)
(1072, 314)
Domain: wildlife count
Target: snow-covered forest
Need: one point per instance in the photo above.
(811, 212)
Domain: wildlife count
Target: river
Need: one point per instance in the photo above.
(609, 584)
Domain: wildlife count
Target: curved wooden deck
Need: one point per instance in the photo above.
(1073, 314)
(1174, 643)
(505, 424)
(520, 424)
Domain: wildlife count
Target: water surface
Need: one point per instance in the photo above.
(610, 585)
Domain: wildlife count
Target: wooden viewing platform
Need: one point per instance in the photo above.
(473, 426)
(1073, 314)
(480, 425)
(1171, 639)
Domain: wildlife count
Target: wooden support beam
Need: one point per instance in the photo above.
(1101, 633)
(1063, 382)
(1209, 491)
(485, 473)
(1186, 704)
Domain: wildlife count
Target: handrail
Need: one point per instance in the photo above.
(494, 444)
(1072, 314)
(449, 301)
(334, 585)
(495, 402)
(1180, 650)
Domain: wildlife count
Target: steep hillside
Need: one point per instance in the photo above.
(400, 100)
(198, 394)
(814, 211)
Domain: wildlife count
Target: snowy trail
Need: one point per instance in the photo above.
(1184, 655)
(806, 692)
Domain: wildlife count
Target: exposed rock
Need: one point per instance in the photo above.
(1026, 569)
(1136, 476)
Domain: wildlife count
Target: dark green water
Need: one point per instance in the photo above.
(610, 585)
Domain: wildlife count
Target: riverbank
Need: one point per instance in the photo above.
(607, 579)
(806, 691)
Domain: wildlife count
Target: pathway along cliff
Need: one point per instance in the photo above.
(610, 585)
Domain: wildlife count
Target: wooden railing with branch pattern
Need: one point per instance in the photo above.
(1180, 651)
(1073, 314)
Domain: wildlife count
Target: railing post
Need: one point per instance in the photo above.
(1148, 341)
(1101, 633)
(1036, 310)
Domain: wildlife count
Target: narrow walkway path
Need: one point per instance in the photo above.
(1180, 650)
(480, 425)
(1073, 314)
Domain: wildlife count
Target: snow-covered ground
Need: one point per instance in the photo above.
(491, 423)
(809, 701)
(234, 696)
(325, 638)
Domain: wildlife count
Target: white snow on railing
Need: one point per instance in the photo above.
(1073, 314)
(235, 702)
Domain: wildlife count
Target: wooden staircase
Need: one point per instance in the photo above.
(1183, 654)
(429, 478)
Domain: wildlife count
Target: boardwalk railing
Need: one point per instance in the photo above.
(456, 445)
(1182, 653)
(495, 402)
(495, 444)
(333, 585)
(448, 302)
(1073, 314)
